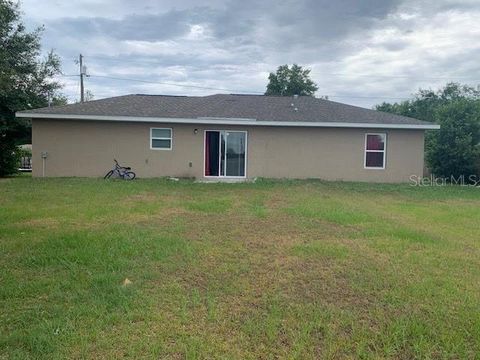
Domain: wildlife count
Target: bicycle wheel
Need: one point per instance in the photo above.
(107, 176)
(129, 175)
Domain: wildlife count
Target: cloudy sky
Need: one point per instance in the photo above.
(360, 52)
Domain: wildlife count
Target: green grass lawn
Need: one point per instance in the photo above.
(267, 270)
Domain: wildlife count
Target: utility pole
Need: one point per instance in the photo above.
(82, 90)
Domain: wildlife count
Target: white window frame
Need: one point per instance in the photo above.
(225, 176)
(384, 151)
(161, 138)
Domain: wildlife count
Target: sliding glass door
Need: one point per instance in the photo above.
(225, 153)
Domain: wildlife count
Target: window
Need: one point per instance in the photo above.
(375, 147)
(161, 139)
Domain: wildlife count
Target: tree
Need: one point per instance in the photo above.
(25, 80)
(291, 81)
(452, 150)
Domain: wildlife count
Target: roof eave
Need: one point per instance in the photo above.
(227, 121)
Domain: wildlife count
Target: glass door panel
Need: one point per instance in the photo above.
(222, 153)
(212, 153)
(235, 153)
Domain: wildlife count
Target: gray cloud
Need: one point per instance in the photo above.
(290, 22)
(146, 27)
(235, 44)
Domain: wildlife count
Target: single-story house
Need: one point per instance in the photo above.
(227, 136)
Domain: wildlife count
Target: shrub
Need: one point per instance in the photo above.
(9, 155)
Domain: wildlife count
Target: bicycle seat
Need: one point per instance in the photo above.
(127, 168)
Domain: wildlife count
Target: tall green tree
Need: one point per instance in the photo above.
(289, 81)
(25, 80)
(454, 149)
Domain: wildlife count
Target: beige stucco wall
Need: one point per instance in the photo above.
(87, 148)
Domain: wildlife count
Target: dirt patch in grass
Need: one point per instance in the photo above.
(143, 197)
(160, 217)
(49, 223)
(261, 262)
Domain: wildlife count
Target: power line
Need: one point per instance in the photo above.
(233, 90)
(348, 96)
(238, 91)
(153, 62)
(257, 92)
(173, 84)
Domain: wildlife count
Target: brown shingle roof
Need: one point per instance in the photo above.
(258, 107)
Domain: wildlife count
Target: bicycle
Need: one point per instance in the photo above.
(122, 172)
